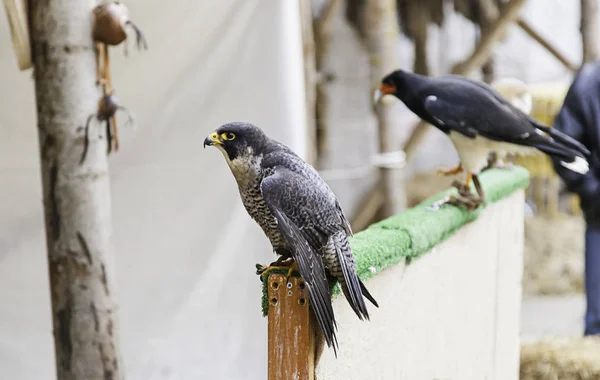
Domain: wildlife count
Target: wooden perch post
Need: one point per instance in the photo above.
(76, 196)
(589, 30)
(291, 330)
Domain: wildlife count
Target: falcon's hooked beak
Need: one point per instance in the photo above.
(212, 139)
(384, 89)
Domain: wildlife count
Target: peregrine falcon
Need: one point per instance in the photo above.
(478, 120)
(299, 214)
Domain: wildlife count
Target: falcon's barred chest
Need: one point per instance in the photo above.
(249, 173)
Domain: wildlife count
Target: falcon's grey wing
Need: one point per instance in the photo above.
(345, 221)
(296, 206)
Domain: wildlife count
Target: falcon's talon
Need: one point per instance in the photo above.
(283, 261)
(293, 267)
(263, 271)
(260, 267)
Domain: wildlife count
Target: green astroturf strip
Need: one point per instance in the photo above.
(415, 231)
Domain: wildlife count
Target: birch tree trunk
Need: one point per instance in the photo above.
(589, 30)
(76, 196)
(380, 28)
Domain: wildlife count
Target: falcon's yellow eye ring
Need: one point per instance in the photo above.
(228, 136)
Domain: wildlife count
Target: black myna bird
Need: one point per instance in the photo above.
(478, 120)
(298, 213)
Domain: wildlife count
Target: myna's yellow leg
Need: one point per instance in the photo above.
(451, 171)
(478, 188)
(464, 197)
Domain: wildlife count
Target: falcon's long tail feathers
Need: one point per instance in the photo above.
(366, 293)
(312, 270)
(351, 285)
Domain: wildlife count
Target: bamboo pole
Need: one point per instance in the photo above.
(76, 196)
(310, 79)
(589, 30)
(291, 331)
(322, 36)
(484, 49)
(527, 28)
(381, 34)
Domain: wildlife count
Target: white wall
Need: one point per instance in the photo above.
(451, 314)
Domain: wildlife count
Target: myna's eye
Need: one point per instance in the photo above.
(228, 136)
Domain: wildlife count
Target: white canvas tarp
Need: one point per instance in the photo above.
(189, 298)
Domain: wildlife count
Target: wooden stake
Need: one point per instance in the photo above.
(291, 330)
(322, 36)
(527, 28)
(310, 79)
(381, 33)
(589, 30)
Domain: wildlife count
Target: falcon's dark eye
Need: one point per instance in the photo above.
(228, 136)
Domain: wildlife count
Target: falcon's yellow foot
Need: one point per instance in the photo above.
(293, 267)
(452, 171)
(281, 263)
